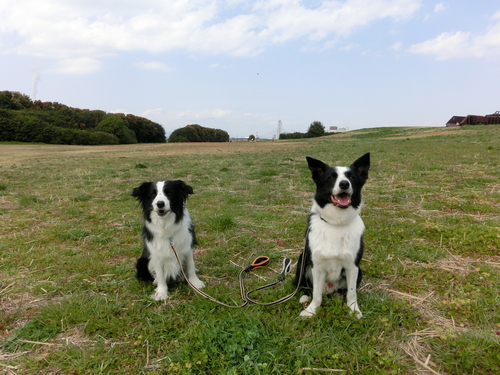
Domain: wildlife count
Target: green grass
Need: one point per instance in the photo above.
(70, 235)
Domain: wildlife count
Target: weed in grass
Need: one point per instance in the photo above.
(221, 223)
(29, 200)
(468, 353)
(82, 198)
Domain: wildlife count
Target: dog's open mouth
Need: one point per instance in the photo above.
(162, 212)
(341, 200)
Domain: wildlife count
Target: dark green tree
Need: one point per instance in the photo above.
(316, 129)
(14, 100)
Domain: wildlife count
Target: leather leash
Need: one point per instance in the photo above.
(259, 262)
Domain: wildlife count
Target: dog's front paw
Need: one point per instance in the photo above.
(306, 314)
(160, 295)
(357, 314)
(309, 310)
(355, 310)
(197, 283)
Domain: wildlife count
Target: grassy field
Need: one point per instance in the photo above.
(70, 235)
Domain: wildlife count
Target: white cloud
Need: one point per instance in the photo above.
(396, 46)
(208, 113)
(119, 111)
(152, 112)
(77, 66)
(349, 47)
(153, 65)
(70, 29)
(219, 66)
(462, 44)
(439, 7)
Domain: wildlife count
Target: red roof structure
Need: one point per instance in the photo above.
(493, 119)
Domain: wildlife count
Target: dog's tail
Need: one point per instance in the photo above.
(143, 273)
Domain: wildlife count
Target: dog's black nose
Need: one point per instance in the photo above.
(160, 204)
(344, 184)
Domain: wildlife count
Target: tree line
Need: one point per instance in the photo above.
(316, 129)
(24, 120)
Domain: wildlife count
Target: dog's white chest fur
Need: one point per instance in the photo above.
(338, 243)
(335, 233)
(166, 231)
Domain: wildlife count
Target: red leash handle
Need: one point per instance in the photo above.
(259, 262)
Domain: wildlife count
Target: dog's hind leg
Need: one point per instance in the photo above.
(351, 298)
(142, 268)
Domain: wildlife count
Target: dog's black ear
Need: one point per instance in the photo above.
(316, 167)
(141, 190)
(184, 188)
(361, 166)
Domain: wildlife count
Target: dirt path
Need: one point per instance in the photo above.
(12, 154)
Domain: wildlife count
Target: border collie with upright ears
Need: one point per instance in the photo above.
(334, 242)
(166, 222)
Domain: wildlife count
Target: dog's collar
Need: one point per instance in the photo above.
(321, 217)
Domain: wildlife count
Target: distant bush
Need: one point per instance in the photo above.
(115, 125)
(197, 133)
(146, 131)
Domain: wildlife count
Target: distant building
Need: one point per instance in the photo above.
(335, 129)
(493, 119)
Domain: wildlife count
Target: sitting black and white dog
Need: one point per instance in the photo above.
(166, 222)
(334, 242)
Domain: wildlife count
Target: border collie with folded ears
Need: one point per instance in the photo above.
(334, 242)
(166, 222)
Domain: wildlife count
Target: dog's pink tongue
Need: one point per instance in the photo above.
(342, 200)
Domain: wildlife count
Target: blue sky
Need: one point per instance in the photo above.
(242, 66)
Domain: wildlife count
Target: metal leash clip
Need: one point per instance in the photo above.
(287, 268)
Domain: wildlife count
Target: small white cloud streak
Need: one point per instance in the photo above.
(396, 46)
(462, 44)
(208, 113)
(37, 76)
(153, 65)
(77, 66)
(439, 7)
(152, 112)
